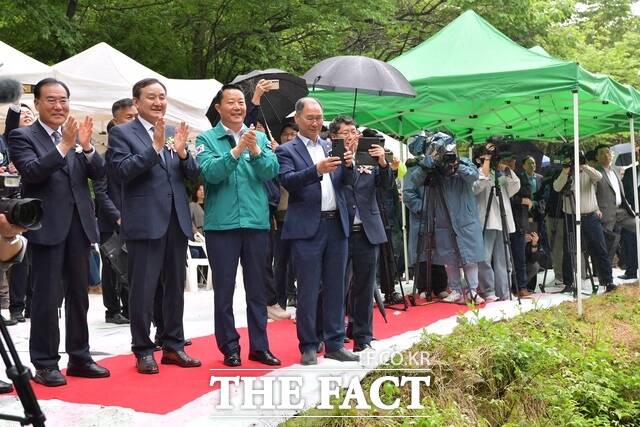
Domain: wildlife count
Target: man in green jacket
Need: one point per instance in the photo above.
(235, 162)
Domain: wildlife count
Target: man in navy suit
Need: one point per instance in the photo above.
(151, 161)
(108, 194)
(367, 231)
(317, 223)
(55, 169)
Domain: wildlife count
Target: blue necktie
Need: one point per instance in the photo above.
(56, 137)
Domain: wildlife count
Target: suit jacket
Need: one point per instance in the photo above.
(299, 176)
(362, 194)
(60, 182)
(607, 199)
(108, 197)
(150, 187)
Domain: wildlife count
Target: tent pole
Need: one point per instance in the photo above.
(635, 186)
(405, 245)
(576, 191)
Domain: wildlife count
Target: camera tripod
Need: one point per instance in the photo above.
(431, 195)
(388, 265)
(496, 191)
(570, 235)
(21, 377)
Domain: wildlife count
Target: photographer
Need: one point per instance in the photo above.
(12, 249)
(455, 177)
(590, 220)
(493, 271)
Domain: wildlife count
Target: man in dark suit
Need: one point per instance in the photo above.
(317, 222)
(108, 194)
(614, 207)
(367, 232)
(151, 161)
(54, 169)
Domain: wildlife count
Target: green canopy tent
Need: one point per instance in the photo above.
(475, 82)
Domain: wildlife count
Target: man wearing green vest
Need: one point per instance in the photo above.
(235, 162)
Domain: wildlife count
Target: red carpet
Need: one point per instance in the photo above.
(174, 387)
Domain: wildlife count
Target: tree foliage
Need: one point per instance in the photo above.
(223, 38)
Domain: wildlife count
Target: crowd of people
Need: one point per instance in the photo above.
(307, 224)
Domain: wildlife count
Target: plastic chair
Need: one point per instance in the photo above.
(193, 264)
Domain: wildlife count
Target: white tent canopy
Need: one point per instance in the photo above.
(19, 66)
(101, 75)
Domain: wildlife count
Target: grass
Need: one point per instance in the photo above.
(543, 368)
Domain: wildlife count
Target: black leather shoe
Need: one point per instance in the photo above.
(87, 370)
(51, 377)
(232, 359)
(568, 289)
(187, 342)
(18, 317)
(179, 358)
(342, 355)
(627, 276)
(5, 387)
(147, 365)
(117, 318)
(308, 358)
(9, 322)
(610, 287)
(358, 348)
(264, 357)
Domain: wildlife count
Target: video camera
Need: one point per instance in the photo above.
(435, 151)
(568, 160)
(496, 147)
(25, 213)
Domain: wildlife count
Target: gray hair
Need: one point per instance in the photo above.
(300, 103)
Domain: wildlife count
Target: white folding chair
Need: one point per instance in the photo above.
(193, 265)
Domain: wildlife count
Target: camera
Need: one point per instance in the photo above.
(436, 151)
(25, 213)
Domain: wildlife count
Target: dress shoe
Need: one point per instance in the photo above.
(568, 289)
(5, 387)
(320, 348)
(187, 342)
(628, 276)
(51, 377)
(87, 370)
(18, 317)
(309, 358)
(610, 287)
(264, 357)
(232, 359)
(275, 312)
(179, 358)
(357, 348)
(9, 322)
(524, 293)
(292, 301)
(147, 365)
(342, 355)
(117, 318)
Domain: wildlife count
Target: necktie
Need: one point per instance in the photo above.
(56, 137)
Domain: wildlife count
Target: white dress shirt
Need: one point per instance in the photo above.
(613, 179)
(317, 154)
(50, 132)
(235, 135)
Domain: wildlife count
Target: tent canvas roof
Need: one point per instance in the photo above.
(19, 66)
(474, 81)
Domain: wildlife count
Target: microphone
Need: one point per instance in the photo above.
(10, 91)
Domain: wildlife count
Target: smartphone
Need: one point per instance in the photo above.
(27, 88)
(364, 144)
(337, 148)
(275, 84)
(388, 156)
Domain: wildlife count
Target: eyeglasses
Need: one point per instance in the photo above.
(53, 101)
(353, 132)
(312, 119)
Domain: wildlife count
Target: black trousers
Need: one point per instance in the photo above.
(113, 292)
(19, 283)
(284, 276)
(271, 293)
(225, 249)
(66, 262)
(152, 262)
(362, 268)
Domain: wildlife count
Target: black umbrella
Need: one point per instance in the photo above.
(360, 74)
(275, 105)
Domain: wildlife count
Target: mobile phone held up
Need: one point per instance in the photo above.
(275, 84)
